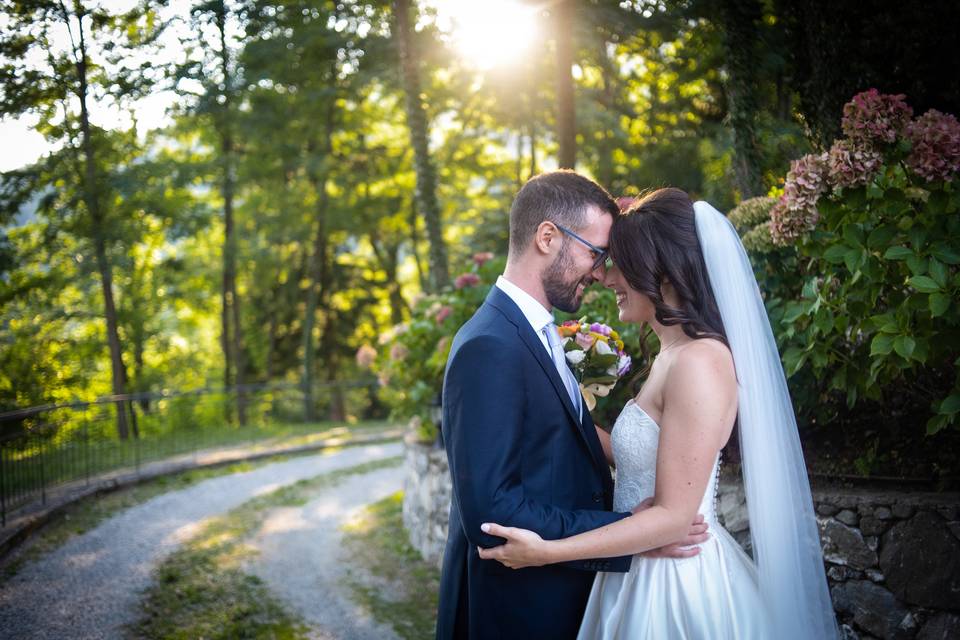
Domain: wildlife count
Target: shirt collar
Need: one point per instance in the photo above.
(535, 313)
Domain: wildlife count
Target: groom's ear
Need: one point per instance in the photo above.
(547, 238)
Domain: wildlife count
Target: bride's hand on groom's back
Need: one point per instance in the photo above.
(686, 548)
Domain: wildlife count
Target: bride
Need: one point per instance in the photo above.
(680, 268)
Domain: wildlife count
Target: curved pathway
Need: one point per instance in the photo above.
(301, 561)
(90, 587)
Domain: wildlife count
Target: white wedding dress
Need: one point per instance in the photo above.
(713, 595)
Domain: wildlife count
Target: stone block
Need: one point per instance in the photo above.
(841, 573)
(902, 511)
(848, 517)
(825, 509)
(882, 513)
(872, 526)
(921, 560)
(874, 609)
(942, 626)
(845, 545)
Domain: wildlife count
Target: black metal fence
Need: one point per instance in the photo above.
(54, 445)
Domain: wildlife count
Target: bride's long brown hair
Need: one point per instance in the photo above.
(655, 241)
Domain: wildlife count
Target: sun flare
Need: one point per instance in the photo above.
(492, 33)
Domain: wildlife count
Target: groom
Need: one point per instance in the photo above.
(521, 445)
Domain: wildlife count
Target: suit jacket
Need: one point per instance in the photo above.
(519, 456)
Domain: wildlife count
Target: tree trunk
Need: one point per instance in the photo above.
(740, 19)
(566, 110)
(230, 318)
(426, 190)
(92, 200)
(316, 262)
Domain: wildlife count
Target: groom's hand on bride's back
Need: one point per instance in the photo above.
(686, 548)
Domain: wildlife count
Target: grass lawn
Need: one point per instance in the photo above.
(392, 581)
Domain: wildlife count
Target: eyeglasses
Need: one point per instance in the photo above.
(601, 257)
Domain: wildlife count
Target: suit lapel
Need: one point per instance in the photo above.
(511, 311)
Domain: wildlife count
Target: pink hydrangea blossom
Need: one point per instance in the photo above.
(366, 355)
(796, 212)
(482, 257)
(443, 313)
(398, 352)
(787, 224)
(466, 280)
(936, 146)
(873, 117)
(850, 164)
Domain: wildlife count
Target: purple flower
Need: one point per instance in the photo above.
(850, 164)
(936, 146)
(623, 365)
(875, 118)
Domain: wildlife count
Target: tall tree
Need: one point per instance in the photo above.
(426, 190)
(59, 85)
(218, 75)
(566, 111)
(739, 22)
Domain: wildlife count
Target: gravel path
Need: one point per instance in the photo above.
(90, 587)
(301, 559)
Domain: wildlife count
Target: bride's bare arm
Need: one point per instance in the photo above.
(699, 409)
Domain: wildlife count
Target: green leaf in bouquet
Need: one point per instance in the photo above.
(605, 379)
(603, 361)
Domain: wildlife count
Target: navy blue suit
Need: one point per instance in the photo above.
(519, 456)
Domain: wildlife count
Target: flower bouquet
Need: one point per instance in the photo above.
(595, 353)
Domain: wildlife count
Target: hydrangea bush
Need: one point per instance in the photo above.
(874, 228)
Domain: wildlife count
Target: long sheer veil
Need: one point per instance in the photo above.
(786, 544)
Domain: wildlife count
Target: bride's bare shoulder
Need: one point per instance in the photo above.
(705, 359)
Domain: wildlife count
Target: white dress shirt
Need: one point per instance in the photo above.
(535, 313)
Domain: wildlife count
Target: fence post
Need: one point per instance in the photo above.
(136, 438)
(43, 477)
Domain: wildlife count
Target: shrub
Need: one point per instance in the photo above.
(874, 229)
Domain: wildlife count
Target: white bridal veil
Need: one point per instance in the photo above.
(786, 545)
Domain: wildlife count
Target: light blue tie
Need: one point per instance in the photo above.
(560, 362)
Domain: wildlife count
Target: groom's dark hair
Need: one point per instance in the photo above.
(561, 197)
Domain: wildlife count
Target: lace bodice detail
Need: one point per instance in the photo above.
(634, 440)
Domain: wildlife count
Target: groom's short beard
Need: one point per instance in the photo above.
(560, 293)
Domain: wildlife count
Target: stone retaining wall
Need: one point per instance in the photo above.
(426, 498)
(893, 558)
